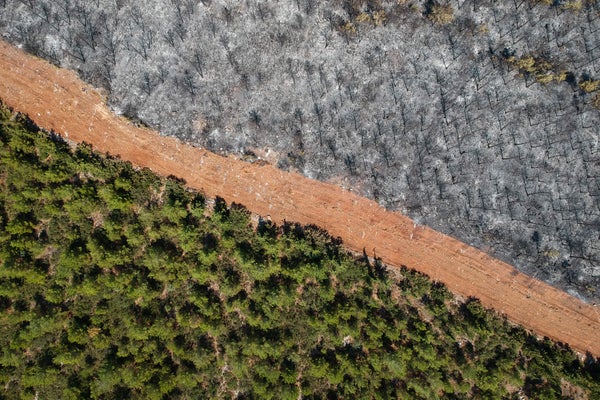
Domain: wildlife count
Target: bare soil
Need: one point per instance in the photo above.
(57, 100)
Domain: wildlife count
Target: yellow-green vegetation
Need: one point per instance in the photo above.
(115, 283)
(440, 13)
(372, 14)
(348, 27)
(545, 72)
(542, 70)
(589, 85)
(571, 5)
(375, 15)
(374, 18)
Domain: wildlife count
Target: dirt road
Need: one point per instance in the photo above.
(57, 100)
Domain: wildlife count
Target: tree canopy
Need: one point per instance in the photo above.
(116, 283)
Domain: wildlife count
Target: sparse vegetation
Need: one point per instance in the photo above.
(545, 72)
(571, 5)
(439, 13)
(589, 85)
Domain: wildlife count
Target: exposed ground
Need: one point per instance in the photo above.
(57, 100)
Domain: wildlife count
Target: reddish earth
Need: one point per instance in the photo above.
(57, 100)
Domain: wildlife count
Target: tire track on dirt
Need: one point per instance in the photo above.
(57, 100)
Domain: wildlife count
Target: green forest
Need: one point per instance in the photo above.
(117, 283)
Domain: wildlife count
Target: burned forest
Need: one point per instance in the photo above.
(477, 118)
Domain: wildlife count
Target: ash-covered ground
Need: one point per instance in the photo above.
(477, 118)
